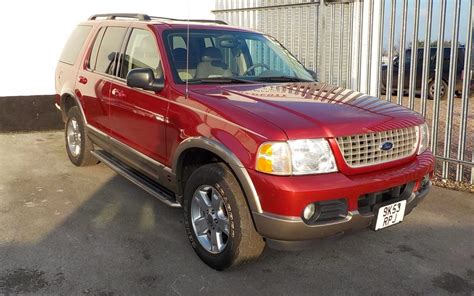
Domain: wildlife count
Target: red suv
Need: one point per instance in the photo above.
(227, 124)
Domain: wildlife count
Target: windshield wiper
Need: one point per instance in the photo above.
(281, 79)
(218, 80)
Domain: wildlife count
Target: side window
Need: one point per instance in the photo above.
(433, 56)
(447, 55)
(408, 57)
(109, 49)
(420, 56)
(95, 49)
(461, 58)
(261, 53)
(141, 52)
(74, 44)
(208, 42)
(178, 42)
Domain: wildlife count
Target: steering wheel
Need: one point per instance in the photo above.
(247, 72)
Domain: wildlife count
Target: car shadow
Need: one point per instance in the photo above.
(122, 241)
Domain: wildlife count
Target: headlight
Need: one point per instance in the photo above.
(424, 136)
(274, 158)
(311, 157)
(297, 157)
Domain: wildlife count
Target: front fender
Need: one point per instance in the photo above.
(227, 156)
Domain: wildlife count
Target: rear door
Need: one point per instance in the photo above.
(95, 78)
(139, 116)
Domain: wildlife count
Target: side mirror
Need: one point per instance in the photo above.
(313, 74)
(145, 79)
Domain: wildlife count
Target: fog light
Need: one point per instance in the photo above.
(309, 211)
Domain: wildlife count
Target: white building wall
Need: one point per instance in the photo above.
(33, 33)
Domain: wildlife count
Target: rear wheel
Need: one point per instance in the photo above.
(443, 90)
(217, 219)
(78, 144)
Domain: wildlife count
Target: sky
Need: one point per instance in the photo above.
(463, 24)
(34, 32)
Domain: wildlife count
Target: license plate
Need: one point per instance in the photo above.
(390, 214)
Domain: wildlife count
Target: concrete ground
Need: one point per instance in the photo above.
(67, 230)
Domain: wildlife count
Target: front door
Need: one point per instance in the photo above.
(139, 116)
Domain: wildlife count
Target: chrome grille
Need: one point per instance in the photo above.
(365, 149)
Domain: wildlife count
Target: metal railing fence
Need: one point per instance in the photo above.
(398, 50)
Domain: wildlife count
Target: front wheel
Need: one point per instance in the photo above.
(217, 219)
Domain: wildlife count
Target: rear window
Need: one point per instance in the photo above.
(74, 44)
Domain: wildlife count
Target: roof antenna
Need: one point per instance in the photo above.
(187, 55)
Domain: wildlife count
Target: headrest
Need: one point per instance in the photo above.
(147, 41)
(146, 45)
(180, 54)
(212, 54)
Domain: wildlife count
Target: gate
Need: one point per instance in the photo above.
(398, 50)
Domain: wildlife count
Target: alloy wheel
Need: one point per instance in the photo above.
(442, 90)
(73, 137)
(209, 219)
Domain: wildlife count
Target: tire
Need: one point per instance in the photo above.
(78, 144)
(242, 243)
(443, 90)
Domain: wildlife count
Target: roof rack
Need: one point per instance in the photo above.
(112, 16)
(191, 20)
(145, 17)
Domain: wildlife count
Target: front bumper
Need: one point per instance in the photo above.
(284, 229)
(284, 198)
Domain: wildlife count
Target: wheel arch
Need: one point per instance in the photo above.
(222, 153)
(69, 100)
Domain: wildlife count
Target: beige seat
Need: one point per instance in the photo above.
(180, 56)
(212, 65)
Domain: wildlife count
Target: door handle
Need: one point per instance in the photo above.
(82, 79)
(118, 93)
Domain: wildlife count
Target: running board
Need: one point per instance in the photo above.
(136, 178)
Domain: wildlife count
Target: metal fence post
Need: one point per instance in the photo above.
(465, 93)
(414, 56)
(401, 56)
(426, 58)
(389, 84)
(453, 63)
(438, 74)
(380, 39)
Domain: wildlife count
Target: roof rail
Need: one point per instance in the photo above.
(191, 20)
(145, 17)
(112, 16)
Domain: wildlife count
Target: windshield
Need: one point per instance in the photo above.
(230, 56)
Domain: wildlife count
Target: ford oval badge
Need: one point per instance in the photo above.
(386, 146)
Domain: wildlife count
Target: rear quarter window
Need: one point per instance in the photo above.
(74, 44)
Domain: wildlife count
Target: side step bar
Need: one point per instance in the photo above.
(136, 178)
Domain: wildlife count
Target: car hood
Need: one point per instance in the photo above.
(312, 110)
